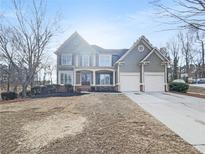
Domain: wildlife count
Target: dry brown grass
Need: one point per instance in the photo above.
(94, 123)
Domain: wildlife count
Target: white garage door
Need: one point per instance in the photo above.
(154, 82)
(129, 82)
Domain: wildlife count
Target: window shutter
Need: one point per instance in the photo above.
(62, 78)
(94, 60)
(59, 59)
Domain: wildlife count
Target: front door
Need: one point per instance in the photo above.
(85, 78)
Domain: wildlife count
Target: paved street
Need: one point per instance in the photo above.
(184, 115)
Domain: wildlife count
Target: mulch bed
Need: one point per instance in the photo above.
(198, 95)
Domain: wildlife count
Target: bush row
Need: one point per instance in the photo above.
(39, 90)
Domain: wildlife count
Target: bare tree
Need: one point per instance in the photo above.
(186, 13)
(186, 41)
(200, 38)
(6, 54)
(173, 48)
(30, 36)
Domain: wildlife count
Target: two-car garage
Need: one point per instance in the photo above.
(152, 81)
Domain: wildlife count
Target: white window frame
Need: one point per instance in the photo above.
(66, 73)
(65, 57)
(101, 83)
(105, 65)
(83, 60)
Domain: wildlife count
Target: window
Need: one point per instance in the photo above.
(85, 60)
(105, 60)
(65, 78)
(85, 78)
(141, 48)
(66, 59)
(104, 79)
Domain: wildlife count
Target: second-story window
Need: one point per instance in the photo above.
(66, 59)
(85, 60)
(105, 60)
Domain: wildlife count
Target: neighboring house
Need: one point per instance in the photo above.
(90, 67)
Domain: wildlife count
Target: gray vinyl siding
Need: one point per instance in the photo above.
(131, 61)
(155, 64)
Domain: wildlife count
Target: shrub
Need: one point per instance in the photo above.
(28, 93)
(8, 95)
(178, 87)
(51, 88)
(39, 90)
(69, 88)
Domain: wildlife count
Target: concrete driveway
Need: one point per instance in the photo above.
(185, 115)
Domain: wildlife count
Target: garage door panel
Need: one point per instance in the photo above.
(129, 82)
(154, 82)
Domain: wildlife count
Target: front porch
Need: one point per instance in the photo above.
(94, 80)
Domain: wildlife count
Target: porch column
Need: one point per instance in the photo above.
(74, 79)
(94, 78)
(113, 78)
(165, 77)
(142, 76)
(118, 74)
(143, 73)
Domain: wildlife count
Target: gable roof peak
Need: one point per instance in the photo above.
(76, 33)
(75, 43)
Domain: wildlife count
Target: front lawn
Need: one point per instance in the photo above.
(92, 123)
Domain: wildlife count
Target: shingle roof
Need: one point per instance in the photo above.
(118, 52)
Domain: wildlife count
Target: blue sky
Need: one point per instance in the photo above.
(108, 23)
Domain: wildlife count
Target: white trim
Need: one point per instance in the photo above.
(94, 69)
(154, 73)
(110, 60)
(129, 73)
(118, 73)
(134, 45)
(153, 51)
(104, 85)
(158, 53)
(142, 71)
(113, 77)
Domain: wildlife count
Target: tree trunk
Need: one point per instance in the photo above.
(203, 67)
(8, 84)
(24, 89)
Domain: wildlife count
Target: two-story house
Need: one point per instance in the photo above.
(90, 67)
